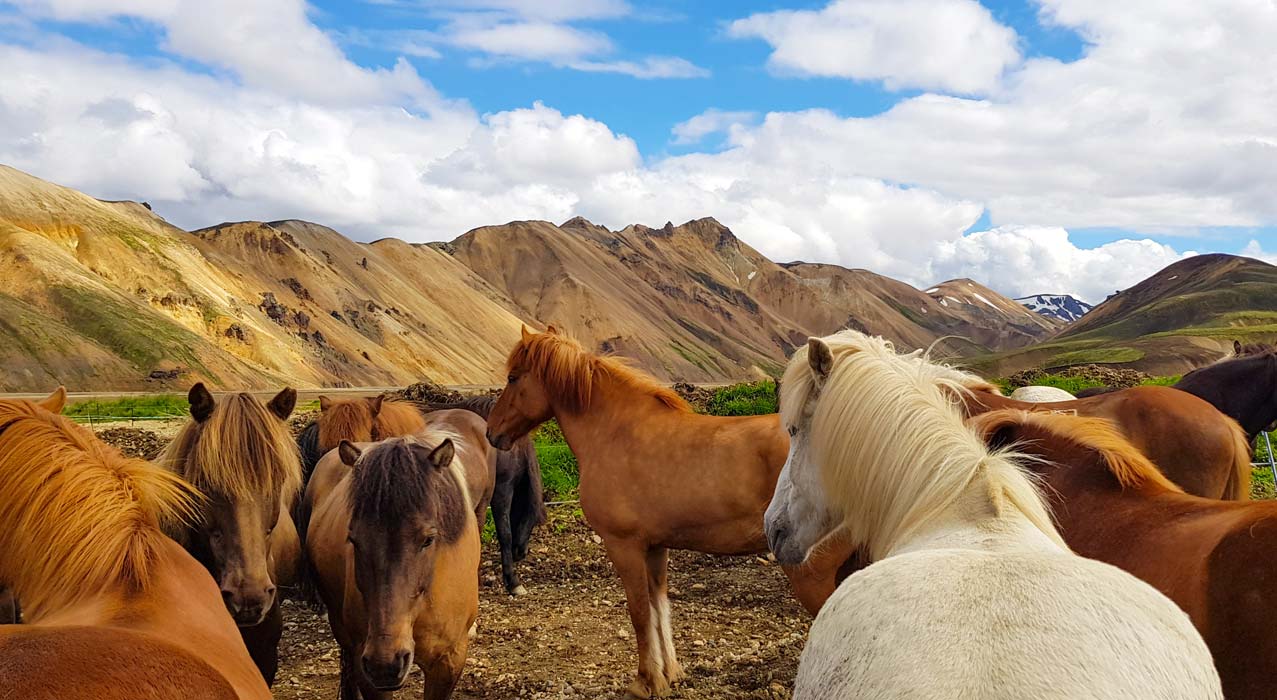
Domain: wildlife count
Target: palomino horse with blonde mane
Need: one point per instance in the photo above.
(1196, 446)
(395, 545)
(654, 476)
(114, 609)
(238, 453)
(970, 591)
(1213, 558)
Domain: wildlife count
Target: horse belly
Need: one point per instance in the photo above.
(92, 663)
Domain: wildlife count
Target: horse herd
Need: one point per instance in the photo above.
(952, 542)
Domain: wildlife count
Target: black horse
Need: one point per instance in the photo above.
(517, 500)
(1245, 389)
(518, 503)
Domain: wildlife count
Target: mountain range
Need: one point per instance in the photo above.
(1064, 307)
(103, 295)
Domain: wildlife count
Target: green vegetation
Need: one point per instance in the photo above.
(753, 399)
(1096, 357)
(1075, 384)
(130, 407)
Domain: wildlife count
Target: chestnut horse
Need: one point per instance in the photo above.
(1196, 446)
(238, 453)
(654, 476)
(394, 546)
(113, 608)
(1213, 558)
(971, 591)
(365, 419)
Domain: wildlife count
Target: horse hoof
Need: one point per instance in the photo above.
(674, 672)
(519, 590)
(642, 689)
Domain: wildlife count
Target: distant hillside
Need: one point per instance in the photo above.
(1182, 317)
(109, 296)
(1062, 307)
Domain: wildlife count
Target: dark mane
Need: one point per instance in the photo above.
(394, 481)
(479, 405)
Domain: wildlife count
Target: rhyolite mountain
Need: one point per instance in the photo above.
(1063, 307)
(109, 296)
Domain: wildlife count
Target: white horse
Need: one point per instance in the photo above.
(1041, 394)
(971, 592)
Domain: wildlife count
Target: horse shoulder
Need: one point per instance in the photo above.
(454, 599)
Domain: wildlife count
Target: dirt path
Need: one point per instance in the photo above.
(737, 630)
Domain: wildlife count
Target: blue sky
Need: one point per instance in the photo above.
(1041, 145)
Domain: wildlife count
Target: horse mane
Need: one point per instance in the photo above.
(479, 405)
(1130, 467)
(569, 371)
(1228, 364)
(392, 480)
(76, 516)
(350, 419)
(240, 451)
(891, 443)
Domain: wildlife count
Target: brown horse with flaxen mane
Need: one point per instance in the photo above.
(240, 456)
(1195, 446)
(654, 476)
(1213, 558)
(113, 608)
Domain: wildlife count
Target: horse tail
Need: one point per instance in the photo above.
(1238, 486)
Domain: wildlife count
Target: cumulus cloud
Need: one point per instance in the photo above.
(1023, 260)
(949, 45)
(711, 121)
(1254, 250)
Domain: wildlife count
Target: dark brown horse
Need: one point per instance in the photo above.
(517, 501)
(113, 608)
(394, 545)
(1195, 445)
(1244, 389)
(1213, 558)
(654, 476)
(239, 454)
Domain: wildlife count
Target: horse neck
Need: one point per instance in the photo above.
(614, 407)
(979, 518)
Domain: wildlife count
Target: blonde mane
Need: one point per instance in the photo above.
(1124, 461)
(891, 444)
(569, 372)
(77, 518)
(352, 419)
(241, 451)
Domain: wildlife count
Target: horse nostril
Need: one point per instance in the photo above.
(228, 597)
(270, 594)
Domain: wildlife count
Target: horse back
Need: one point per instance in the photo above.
(103, 663)
(478, 458)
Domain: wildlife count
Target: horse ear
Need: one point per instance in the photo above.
(441, 456)
(348, 452)
(375, 404)
(998, 429)
(283, 403)
(551, 329)
(202, 403)
(1237, 347)
(526, 333)
(54, 403)
(325, 403)
(820, 357)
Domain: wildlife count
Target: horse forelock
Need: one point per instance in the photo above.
(570, 373)
(888, 435)
(393, 482)
(76, 517)
(345, 419)
(241, 451)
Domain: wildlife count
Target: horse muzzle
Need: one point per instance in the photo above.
(387, 674)
(249, 610)
(501, 442)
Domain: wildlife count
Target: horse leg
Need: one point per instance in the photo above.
(442, 674)
(9, 614)
(262, 641)
(501, 505)
(658, 559)
(349, 678)
(630, 561)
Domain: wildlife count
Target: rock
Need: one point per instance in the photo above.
(133, 442)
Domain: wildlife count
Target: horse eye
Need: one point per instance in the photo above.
(512, 379)
(425, 544)
(215, 535)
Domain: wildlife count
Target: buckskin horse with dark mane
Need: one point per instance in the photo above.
(394, 546)
(114, 609)
(654, 476)
(1213, 558)
(238, 453)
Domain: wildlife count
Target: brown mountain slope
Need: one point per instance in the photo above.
(1186, 315)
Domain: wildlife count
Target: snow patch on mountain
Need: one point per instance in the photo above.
(1062, 306)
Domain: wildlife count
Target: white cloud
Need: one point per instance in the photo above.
(533, 41)
(949, 45)
(711, 121)
(649, 68)
(1023, 260)
(550, 10)
(1254, 250)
